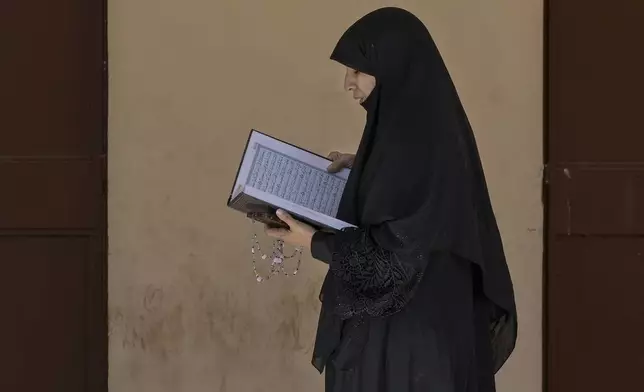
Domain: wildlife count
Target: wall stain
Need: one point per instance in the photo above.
(312, 298)
(194, 311)
(115, 318)
(288, 332)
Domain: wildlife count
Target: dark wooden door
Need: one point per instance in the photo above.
(595, 242)
(52, 196)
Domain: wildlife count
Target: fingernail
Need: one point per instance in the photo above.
(280, 212)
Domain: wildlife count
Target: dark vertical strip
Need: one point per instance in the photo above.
(545, 196)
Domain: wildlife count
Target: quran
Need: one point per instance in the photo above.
(274, 174)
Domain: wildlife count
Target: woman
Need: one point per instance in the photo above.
(419, 297)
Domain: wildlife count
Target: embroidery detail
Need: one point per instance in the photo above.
(372, 280)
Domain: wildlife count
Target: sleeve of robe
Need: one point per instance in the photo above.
(370, 279)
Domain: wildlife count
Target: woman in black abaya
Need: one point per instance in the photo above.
(419, 297)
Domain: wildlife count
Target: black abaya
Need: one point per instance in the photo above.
(419, 297)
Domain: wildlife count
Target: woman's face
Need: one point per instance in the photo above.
(360, 84)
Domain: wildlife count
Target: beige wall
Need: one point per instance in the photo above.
(188, 80)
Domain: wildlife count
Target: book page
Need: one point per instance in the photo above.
(293, 180)
(290, 173)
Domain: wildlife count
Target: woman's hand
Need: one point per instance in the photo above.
(299, 233)
(340, 161)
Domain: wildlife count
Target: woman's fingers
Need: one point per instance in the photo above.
(348, 159)
(285, 217)
(335, 166)
(340, 161)
(276, 233)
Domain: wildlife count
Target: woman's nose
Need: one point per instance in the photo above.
(348, 85)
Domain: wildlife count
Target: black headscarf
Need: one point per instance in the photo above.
(417, 182)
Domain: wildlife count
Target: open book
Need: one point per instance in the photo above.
(274, 174)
